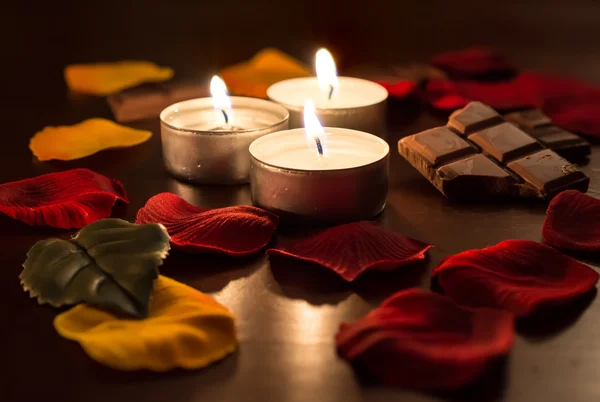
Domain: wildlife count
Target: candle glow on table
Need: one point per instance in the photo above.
(206, 140)
(340, 101)
(347, 182)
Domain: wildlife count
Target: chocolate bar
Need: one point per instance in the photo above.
(479, 155)
(148, 100)
(540, 127)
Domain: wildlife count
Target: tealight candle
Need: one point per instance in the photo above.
(340, 101)
(206, 140)
(329, 175)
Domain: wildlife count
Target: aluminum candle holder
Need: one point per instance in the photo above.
(200, 149)
(358, 104)
(290, 179)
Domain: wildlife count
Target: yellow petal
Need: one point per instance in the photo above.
(185, 328)
(83, 139)
(109, 78)
(253, 77)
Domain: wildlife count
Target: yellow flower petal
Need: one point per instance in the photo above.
(109, 78)
(253, 77)
(83, 139)
(185, 328)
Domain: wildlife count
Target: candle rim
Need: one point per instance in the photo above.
(189, 131)
(385, 155)
(325, 109)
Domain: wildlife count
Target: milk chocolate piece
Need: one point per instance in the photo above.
(148, 100)
(498, 161)
(473, 117)
(504, 142)
(539, 126)
(439, 146)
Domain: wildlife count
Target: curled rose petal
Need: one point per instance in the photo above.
(70, 199)
(473, 62)
(109, 78)
(84, 139)
(184, 328)
(578, 113)
(573, 222)
(236, 231)
(519, 276)
(418, 339)
(353, 248)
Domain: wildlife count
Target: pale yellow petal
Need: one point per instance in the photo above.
(255, 76)
(109, 78)
(84, 139)
(184, 328)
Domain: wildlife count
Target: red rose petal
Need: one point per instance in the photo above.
(578, 113)
(447, 95)
(573, 222)
(399, 89)
(70, 199)
(474, 62)
(236, 231)
(353, 248)
(418, 339)
(515, 275)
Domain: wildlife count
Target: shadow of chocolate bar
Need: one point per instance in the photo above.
(479, 155)
(539, 126)
(148, 100)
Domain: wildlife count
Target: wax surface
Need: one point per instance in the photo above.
(199, 114)
(344, 149)
(353, 92)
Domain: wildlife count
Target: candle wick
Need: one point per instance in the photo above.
(319, 146)
(330, 92)
(225, 115)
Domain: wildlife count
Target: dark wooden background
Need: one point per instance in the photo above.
(287, 314)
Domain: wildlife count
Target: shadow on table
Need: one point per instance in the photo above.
(488, 388)
(209, 273)
(549, 322)
(318, 285)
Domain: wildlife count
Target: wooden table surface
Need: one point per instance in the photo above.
(287, 315)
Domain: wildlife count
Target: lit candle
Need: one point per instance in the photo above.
(340, 101)
(330, 175)
(206, 140)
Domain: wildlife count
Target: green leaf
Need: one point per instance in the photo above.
(110, 264)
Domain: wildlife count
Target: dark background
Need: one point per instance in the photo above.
(287, 314)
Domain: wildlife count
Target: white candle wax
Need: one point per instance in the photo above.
(357, 104)
(344, 149)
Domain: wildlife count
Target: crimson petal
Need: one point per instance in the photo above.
(70, 199)
(418, 339)
(353, 248)
(473, 62)
(573, 222)
(519, 276)
(399, 89)
(448, 95)
(236, 231)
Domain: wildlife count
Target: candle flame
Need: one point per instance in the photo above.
(326, 73)
(315, 134)
(221, 101)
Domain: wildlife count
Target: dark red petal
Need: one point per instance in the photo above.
(70, 199)
(474, 62)
(578, 113)
(399, 89)
(447, 95)
(515, 275)
(235, 231)
(353, 248)
(573, 222)
(418, 339)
